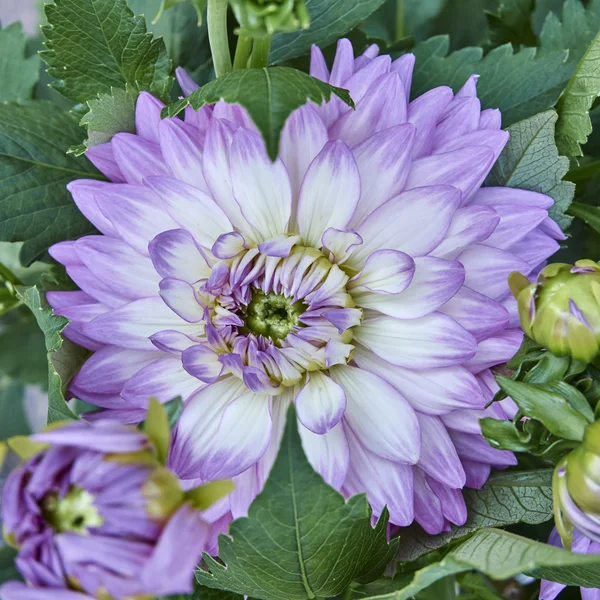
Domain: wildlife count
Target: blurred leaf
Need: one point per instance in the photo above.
(22, 355)
(505, 499)
(520, 84)
(8, 570)
(269, 96)
(531, 161)
(17, 73)
(329, 21)
(502, 555)
(574, 125)
(64, 357)
(173, 409)
(589, 214)
(511, 24)
(12, 408)
(97, 45)
(35, 206)
(301, 539)
(156, 427)
(479, 586)
(541, 402)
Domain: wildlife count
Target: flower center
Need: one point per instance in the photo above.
(74, 512)
(272, 315)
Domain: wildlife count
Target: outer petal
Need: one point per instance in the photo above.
(261, 188)
(210, 442)
(329, 193)
(15, 590)
(328, 453)
(390, 429)
(103, 158)
(414, 222)
(429, 391)
(137, 158)
(321, 403)
(429, 342)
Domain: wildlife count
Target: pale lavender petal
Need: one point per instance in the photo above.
(404, 67)
(476, 448)
(477, 473)
(515, 223)
(202, 362)
(535, 248)
(495, 350)
(84, 196)
(461, 118)
(137, 157)
(15, 590)
(385, 271)
(172, 341)
(495, 196)
(186, 83)
(279, 246)
(318, 66)
(180, 297)
(451, 500)
(320, 404)
(428, 510)
(228, 245)
(103, 158)
(424, 113)
(147, 117)
(490, 119)
(340, 243)
(429, 342)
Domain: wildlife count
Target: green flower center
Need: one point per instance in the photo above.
(75, 512)
(272, 315)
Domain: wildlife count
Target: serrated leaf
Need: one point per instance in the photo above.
(35, 206)
(329, 21)
(97, 45)
(530, 161)
(17, 73)
(505, 499)
(269, 95)
(543, 403)
(574, 125)
(107, 115)
(578, 27)
(301, 539)
(8, 570)
(502, 555)
(64, 357)
(511, 23)
(520, 84)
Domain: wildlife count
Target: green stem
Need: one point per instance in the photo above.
(242, 52)
(399, 20)
(443, 589)
(216, 19)
(260, 52)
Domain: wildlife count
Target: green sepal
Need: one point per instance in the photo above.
(24, 447)
(156, 427)
(206, 495)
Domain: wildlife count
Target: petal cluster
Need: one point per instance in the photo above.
(93, 517)
(362, 276)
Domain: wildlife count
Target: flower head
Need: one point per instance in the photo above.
(95, 516)
(362, 275)
(561, 310)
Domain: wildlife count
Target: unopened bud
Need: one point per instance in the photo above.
(561, 310)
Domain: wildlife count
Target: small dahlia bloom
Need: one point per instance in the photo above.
(362, 276)
(94, 517)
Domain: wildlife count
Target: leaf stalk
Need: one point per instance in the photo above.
(216, 20)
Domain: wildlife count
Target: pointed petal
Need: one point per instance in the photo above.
(137, 158)
(180, 297)
(321, 403)
(147, 116)
(429, 342)
(391, 429)
(495, 350)
(103, 158)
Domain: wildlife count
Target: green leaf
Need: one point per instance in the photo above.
(589, 214)
(505, 499)
(520, 84)
(22, 355)
(97, 45)
(269, 96)
(530, 161)
(550, 408)
(502, 555)
(329, 21)
(574, 125)
(156, 427)
(174, 408)
(578, 27)
(12, 408)
(479, 586)
(301, 539)
(8, 570)
(511, 24)
(17, 73)
(107, 115)
(35, 206)
(64, 357)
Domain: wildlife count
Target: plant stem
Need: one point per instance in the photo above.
(260, 52)
(242, 52)
(216, 19)
(399, 20)
(443, 589)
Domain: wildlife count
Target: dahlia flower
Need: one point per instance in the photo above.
(94, 517)
(362, 276)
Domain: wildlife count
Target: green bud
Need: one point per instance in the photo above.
(163, 493)
(263, 18)
(561, 310)
(583, 472)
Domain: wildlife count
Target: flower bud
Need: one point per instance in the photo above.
(561, 310)
(576, 489)
(94, 511)
(261, 18)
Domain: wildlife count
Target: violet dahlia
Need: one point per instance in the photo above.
(95, 516)
(362, 275)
